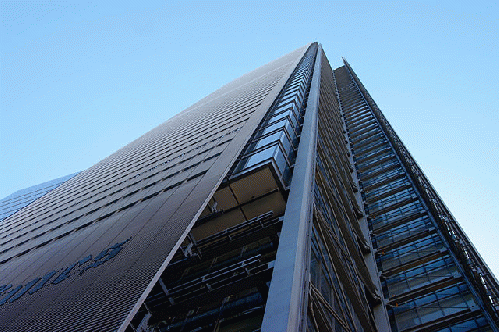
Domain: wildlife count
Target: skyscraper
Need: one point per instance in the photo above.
(21, 198)
(283, 201)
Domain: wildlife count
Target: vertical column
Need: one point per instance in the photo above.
(287, 301)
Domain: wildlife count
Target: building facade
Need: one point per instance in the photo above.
(21, 198)
(284, 201)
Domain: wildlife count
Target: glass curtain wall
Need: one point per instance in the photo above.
(218, 280)
(422, 282)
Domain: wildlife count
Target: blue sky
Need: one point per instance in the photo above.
(79, 80)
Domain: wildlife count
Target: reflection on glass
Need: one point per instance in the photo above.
(260, 156)
(288, 106)
(283, 123)
(410, 252)
(286, 115)
(272, 152)
(415, 278)
(291, 99)
(403, 231)
(278, 136)
(433, 306)
(298, 90)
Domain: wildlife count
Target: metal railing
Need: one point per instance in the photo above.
(473, 265)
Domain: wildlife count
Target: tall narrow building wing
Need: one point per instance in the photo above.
(433, 278)
(283, 201)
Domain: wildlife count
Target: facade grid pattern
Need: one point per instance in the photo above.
(283, 201)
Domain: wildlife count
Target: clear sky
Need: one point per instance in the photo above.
(79, 80)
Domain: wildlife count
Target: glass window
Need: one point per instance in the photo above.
(394, 184)
(393, 216)
(420, 276)
(278, 136)
(266, 140)
(272, 152)
(259, 156)
(410, 252)
(372, 145)
(403, 231)
(478, 324)
(386, 202)
(277, 125)
(285, 107)
(286, 115)
(297, 81)
(371, 138)
(433, 306)
(383, 177)
(383, 149)
(296, 89)
(378, 168)
(361, 166)
(293, 98)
